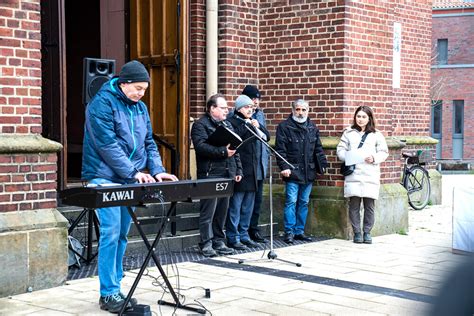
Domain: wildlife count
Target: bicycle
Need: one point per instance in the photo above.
(416, 179)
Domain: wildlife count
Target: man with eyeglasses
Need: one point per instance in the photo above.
(297, 140)
(214, 162)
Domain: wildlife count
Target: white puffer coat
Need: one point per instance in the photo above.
(365, 180)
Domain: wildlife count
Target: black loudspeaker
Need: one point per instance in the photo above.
(96, 73)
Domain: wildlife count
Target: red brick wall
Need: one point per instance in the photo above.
(411, 111)
(456, 83)
(335, 54)
(27, 180)
(368, 67)
(301, 54)
(238, 46)
(197, 82)
(457, 86)
(238, 50)
(20, 67)
(459, 31)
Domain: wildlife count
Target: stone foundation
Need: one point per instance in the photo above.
(33, 251)
(328, 209)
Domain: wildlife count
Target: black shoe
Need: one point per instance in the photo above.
(250, 243)
(303, 237)
(358, 238)
(222, 249)
(288, 238)
(133, 301)
(367, 238)
(207, 251)
(112, 303)
(238, 246)
(257, 237)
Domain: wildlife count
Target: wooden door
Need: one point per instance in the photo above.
(158, 37)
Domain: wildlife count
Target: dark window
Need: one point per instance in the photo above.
(436, 120)
(442, 51)
(458, 116)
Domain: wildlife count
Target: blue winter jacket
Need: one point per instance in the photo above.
(118, 139)
(260, 117)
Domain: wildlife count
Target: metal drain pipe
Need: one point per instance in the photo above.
(212, 28)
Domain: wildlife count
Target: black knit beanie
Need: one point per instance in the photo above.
(133, 71)
(252, 92)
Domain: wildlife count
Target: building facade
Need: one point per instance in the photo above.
(335, 54)
(452, 80)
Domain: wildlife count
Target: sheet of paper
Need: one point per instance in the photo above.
(355, 156)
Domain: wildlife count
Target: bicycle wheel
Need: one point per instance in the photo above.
(417, 183)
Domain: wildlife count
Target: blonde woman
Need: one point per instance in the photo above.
(363, 185)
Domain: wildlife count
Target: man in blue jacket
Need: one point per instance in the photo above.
(118, 148)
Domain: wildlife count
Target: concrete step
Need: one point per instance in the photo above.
(172, 243)
(150, 218)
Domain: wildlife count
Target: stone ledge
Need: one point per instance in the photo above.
(417, 140)
(29, 143)
(31, 220)
(328, 210)
(393, 142)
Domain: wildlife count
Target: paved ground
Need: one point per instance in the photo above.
(397, 275)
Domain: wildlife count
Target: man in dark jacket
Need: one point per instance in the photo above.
(214, 162)
(242, 202)
(118, 146)
(258, 117)
(297, 140)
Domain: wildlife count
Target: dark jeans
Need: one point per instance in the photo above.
(212, 216)
(296, 207)
(256, 209)
(238, 219)
(354, 213)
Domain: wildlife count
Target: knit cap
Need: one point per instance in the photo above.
(241, 101)
(252, 92)
(133, 71)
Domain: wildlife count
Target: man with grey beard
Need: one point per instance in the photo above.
(297, 141)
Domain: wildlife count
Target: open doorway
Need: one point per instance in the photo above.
(73, 30)
(82, 40)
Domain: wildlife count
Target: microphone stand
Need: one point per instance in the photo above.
(271, 254)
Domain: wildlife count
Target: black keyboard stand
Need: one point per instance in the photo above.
(151, 254)
(92, 223)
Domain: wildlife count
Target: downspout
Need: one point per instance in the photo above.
(211, 47)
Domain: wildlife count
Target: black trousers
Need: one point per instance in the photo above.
(354, 213)
(212, 216)
(256, 209)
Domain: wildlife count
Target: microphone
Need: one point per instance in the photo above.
(247, 122)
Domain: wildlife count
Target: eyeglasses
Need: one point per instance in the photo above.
(223, 107)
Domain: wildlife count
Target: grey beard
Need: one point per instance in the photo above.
(300, 120)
